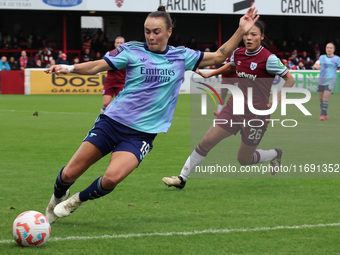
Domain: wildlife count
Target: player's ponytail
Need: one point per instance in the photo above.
(161, 13)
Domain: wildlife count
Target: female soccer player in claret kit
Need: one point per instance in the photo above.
(256, 67)
(145, 106)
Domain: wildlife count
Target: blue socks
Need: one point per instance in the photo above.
(61, 187)
(324, 106)
(95, 190)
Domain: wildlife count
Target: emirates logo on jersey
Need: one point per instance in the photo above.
(119, 3)
(253, 66)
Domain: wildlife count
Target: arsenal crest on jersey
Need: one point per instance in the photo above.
(253, 66)
(119, 3)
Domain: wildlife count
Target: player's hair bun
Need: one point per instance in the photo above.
(161, 8)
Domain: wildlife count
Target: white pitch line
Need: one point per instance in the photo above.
(32, 111)
(194, 232)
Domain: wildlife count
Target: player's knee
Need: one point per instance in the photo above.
(207, 144)
(109, 182)
(69, 176)
(244, 160)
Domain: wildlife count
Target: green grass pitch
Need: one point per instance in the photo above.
(269, 215)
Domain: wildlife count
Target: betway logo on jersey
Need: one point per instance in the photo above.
(246, 75)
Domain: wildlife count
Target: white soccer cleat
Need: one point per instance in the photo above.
(52, 204)
(174, 181)
(67, 207)
(276, 162)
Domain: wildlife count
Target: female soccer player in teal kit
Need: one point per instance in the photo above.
(145, 106)
(328, 64)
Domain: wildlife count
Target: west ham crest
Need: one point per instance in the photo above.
(119, 3)
(253, 66)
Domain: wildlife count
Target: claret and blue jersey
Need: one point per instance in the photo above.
(153, 80)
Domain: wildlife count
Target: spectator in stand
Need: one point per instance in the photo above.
(86, 56)
(310, 49)
(14, 45)
(58, 60)
(98, 55)
(51, 63)
(75, 60)
(62, 59)
(300, 66)
(98, 41)
(306, 60)
(38, 64)
(285, 49)
(39, 55)
(86, 43)
(25, 62)
(192, 43)
(38, 42)
(13, 64)
(6, 39)
(272, 47)
(301, 45)
(293, 60)
(47, 56)
(317, 50)
(4, 66)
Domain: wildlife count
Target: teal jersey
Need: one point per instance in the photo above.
(329, 66)
(148, 99)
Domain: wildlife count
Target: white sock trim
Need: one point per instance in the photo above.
(193, 160)
(266, 155)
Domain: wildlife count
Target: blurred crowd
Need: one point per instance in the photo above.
(296, 55)
(14, 54)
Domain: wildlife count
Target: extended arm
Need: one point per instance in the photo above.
(217, 57)
(91, 67)
(223, 69)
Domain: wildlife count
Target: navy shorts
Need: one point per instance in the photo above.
(322, 88)
(110, 136)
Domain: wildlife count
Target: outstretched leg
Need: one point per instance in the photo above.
(122, 163)
(248, 155)
(209, 141)
(85, 156)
